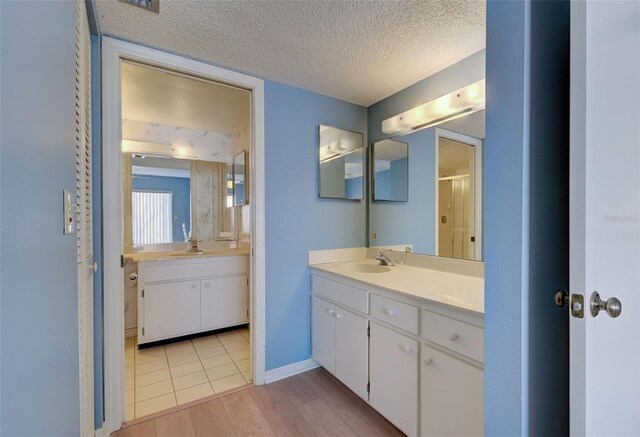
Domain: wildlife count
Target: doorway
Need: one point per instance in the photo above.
(458, 196)
(166, 324)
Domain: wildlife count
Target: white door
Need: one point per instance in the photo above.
(352, 351)
(224, 302)
(170, 310)
(451, 395)
(605, 216)
(323, 333)
(393, 372)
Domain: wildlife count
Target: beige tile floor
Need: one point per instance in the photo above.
(162, 377)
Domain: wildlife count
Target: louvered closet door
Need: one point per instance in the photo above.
(84, 211)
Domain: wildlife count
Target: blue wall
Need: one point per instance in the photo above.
(181, 199)
(526, 218)
(392, 184)
(39, 320)
(96, 150)
(400, 223)
(296, 220)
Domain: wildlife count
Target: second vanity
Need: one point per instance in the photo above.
(181, 295)
(408, 340)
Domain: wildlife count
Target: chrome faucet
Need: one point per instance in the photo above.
(384, 259)
(193, 245)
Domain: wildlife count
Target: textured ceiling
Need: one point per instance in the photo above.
(358, 51)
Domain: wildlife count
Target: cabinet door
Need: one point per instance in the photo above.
(224, 302)
(352, 351)
(171, 309)
(394, 377)
(323, 333)
(451, 394)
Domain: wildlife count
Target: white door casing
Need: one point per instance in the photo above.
(605, 216)
(112, 52)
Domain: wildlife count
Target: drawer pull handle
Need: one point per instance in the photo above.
(338, 316)
(389, 312)
(428, 361)
(407, 349)
(453, 336)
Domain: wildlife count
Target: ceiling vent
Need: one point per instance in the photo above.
(149, 5)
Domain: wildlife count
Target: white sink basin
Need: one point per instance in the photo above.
(369, 268)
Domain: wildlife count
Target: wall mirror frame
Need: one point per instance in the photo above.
(389, 167)
(240, 192)
(341, 164)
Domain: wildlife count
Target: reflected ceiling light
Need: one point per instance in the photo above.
(448, 107)
(158, 149)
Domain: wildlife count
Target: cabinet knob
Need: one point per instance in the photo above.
(407, 349)
(338, 316)
(453, 336)
(389, 312)
(193, 285)
(428, 361)
(206, 284)
(330, 311)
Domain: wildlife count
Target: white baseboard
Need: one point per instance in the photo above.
(290, 370)
(102, 432)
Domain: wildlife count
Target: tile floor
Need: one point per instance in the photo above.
(162, 377)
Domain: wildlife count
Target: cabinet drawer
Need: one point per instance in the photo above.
(346, 295)
(176, 270)
(399, 314)
(453, 334)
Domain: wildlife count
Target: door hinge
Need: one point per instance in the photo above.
(368, 387)
(121, 261)
(142, 331)
(368, 331)
(247, 281)
(143, 292)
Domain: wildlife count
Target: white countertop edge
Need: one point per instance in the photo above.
(329, 269)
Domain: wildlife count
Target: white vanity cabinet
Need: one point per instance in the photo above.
(394, 377)
(187, 296)
(423, 360)
(339, 335)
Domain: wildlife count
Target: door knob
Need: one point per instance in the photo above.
(612, 306)
(561, 297)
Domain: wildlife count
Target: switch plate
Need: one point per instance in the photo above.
(69, 213)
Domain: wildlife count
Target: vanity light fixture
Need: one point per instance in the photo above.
(459, 103)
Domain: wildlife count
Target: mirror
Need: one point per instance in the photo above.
(167, 200)
(441, 213)
(390, 164)
(341, 161)
(239, 180)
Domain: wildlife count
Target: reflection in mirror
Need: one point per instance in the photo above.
(341, 172)
(390, 162)
(239, 180)
(168, 200)
(456, 199)
(442, 215)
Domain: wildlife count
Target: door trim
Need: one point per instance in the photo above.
(477, 188)
(113, 51)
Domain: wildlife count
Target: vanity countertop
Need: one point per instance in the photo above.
(461, 291)
(173, 256)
